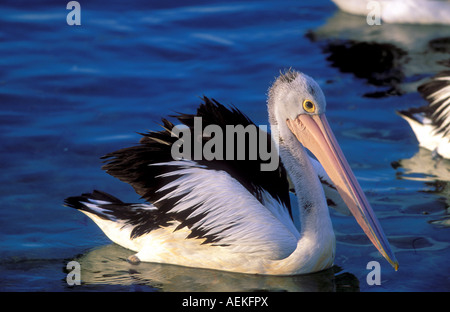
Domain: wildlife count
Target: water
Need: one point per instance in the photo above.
(70, 94)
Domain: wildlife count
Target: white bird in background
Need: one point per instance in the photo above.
(431, 123)
(228, 214)
(400, 11)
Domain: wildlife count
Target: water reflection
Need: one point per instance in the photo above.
(424, 166)
(434, 171)
(107, 265)
(399, 56)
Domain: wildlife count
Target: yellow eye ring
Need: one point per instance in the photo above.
(309, 106)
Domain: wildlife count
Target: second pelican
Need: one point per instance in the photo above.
(431, 123)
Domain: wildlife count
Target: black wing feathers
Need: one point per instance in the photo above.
(142, 218)
(427, 90)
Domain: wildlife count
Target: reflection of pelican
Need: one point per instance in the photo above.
(431, 123)
(230, 215)
(395, 55)
(400, 11)
(106, 266)
(436, 176)
(423, 167)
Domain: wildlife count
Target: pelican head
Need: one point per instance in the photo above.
(297, 108)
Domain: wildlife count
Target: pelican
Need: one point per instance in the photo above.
(431, 123)
(400, 11)
(230, 215)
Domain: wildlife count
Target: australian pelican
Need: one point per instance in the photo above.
(229, 214)
(431, 123)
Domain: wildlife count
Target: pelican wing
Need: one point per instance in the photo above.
(437, 93)
(214, 207)
(131, 165)
(222, 202)
(218, 209)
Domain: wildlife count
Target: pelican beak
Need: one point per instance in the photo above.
(314, 132)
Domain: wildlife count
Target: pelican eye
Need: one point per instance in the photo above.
(309, 106)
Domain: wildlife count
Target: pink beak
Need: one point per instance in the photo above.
(314, 132)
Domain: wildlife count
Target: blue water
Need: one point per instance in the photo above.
(70, 94)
